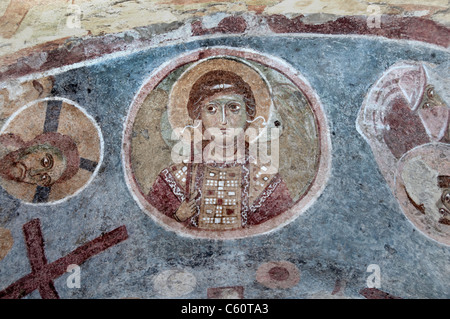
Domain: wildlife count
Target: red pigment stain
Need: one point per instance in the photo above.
(374, 293)
(409, 28)
(279, 273)
(227, 25)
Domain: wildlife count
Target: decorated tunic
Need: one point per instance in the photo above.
(230, 196)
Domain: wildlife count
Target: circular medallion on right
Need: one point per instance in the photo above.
(422, 186)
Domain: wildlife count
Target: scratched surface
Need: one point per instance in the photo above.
(355, 222)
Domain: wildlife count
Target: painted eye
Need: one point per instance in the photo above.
(442, 211)
(234, 107)
(45, 179)
(211, 109)
(47, 161)
(426, 105)
(430, 93)
(447, 198)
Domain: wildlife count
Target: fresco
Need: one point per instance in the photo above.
(249, 155)
(230, 125)
(405, 119)
(43, 274)
(278, 274)
(50, 149)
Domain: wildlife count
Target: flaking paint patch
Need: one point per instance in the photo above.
(47, 22)
(6, 242)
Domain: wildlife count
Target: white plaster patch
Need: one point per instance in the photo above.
(174, 283)
(36, 60)
(213, 20)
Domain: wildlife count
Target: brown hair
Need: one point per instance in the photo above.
(219, 81)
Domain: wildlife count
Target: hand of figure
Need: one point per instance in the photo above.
(186, 209)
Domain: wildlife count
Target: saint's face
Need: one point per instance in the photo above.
(444, 206)
(434, 113)
(40, 165)
(225, 116)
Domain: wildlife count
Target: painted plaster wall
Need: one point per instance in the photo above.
(355, 222)
(28, 23)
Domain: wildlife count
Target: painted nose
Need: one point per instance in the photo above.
(35, 172)
(224, 116)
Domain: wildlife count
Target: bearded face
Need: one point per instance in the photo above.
(40, 165)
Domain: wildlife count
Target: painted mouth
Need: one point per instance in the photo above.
(229, 131)
(225, 131)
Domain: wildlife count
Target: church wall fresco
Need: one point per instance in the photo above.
(130, 186)
(253, 190)
(51, 150)
(406, 121)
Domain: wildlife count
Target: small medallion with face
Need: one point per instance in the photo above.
(49, 151)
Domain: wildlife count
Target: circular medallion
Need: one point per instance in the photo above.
(51, 149)
(422, 186)
(225, 143)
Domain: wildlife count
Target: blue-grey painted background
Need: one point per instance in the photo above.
(355, 222)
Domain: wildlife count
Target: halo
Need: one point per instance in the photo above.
(179, 95)
(67, 118)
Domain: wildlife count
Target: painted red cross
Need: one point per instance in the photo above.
(42, 274)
